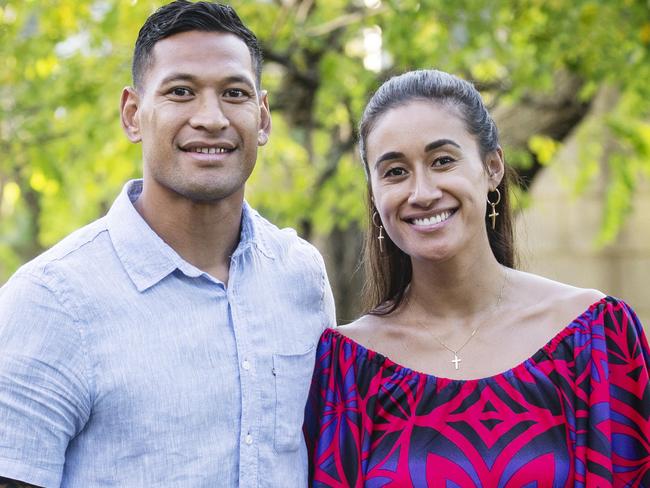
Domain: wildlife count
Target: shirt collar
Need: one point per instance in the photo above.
(146, 258)
(252, 232)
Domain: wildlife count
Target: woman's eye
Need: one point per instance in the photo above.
(395, 172)
(442, 161)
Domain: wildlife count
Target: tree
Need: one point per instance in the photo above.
(538, 63)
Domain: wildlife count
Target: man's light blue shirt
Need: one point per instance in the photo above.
(122, 365)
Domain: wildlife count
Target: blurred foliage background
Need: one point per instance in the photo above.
(539, 64)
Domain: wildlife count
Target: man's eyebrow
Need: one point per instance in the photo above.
(239, 79)
(250, 85)
(178, 77)
(439, 143)
(174, 77)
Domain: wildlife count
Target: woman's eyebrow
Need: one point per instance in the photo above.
(387, 157)
(439, 143)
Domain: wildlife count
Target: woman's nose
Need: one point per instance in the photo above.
(424, 190)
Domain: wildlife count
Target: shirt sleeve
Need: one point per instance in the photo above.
(328, 306)
(628, 360)
(44, 393)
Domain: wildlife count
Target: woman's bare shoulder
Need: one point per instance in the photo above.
(366, 330)
(560, 301)
(537, 286)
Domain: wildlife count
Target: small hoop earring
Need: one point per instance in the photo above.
(380, 237)
(493, 215)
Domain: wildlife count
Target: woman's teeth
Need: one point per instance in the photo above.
(435, 219)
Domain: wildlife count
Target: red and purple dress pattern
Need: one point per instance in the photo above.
(577, 413)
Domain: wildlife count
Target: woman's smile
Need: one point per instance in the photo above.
(432, 221)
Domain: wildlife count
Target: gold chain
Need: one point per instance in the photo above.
(455, 352)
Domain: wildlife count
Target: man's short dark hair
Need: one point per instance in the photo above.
(183, 16)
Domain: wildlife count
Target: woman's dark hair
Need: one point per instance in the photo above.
(183, 16)
(388, 274)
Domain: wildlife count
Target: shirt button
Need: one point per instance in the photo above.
(248, 439)
(246, 364)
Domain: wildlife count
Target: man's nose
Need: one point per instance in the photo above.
(209, 115)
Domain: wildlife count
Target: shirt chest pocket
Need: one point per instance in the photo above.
(292, 373)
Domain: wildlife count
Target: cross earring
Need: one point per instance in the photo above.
(380, 237)
(493, 215)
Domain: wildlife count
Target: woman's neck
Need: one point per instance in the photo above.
(456, 288)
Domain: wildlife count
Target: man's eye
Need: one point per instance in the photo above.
(236, 93)
(181, 92)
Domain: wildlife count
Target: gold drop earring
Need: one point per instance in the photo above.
(380, 237)
(493, 215)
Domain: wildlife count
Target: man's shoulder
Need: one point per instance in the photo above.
(72, 253)
(284, 242)
(50, 286)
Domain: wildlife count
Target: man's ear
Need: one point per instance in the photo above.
(129, 114)
(495, 167)
(265, 119)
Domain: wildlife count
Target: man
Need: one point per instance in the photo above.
(170, 343)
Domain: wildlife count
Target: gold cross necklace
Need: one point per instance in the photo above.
(457, 360)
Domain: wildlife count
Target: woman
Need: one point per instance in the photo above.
(464, 371)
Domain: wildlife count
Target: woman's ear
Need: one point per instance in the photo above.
(495, 167)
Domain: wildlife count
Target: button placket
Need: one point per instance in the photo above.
(248, 454)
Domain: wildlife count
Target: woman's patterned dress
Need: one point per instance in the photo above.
(577, 413)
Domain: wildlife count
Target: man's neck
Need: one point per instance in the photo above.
(205, 234)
